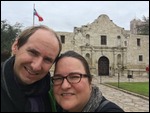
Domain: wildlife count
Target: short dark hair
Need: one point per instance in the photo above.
(76, 55)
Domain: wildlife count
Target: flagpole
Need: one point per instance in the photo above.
(33, 14)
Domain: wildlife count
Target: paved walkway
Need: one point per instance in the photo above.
(128, 102)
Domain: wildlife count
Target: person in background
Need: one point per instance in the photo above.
(147, 70)
(73, 89)
(25, 77)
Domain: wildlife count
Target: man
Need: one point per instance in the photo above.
(25, 78)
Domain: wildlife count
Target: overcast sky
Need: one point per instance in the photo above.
(65, 15)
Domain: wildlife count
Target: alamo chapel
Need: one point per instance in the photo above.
(108, 48)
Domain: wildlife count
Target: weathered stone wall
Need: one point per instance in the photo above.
(121, 48)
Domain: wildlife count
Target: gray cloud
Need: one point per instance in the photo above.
(65, 15)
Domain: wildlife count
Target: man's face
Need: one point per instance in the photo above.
(34, 59)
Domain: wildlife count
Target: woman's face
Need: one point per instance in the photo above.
(71, 97)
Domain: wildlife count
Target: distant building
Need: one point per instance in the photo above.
(108, 48)
(133, 26)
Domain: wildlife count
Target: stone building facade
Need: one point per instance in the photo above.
(108, 48)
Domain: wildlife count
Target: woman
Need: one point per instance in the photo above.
(73, 89)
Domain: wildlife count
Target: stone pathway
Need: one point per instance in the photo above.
(128, 102)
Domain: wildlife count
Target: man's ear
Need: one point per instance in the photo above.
(14, 47)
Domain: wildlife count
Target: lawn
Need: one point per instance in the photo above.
(141, 88)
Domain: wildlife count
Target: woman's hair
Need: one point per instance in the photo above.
(80, 58)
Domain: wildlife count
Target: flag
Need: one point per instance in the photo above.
(35, 13)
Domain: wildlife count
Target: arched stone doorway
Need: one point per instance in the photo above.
(103, 66)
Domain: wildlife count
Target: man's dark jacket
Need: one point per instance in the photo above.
(23, 98)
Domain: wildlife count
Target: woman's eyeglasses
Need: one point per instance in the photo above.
(72, 78)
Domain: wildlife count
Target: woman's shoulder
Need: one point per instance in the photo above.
(108, 106)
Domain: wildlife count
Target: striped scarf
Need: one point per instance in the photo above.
(94, 100)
